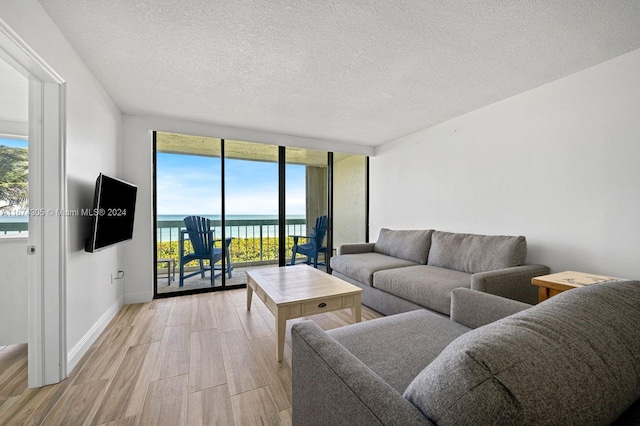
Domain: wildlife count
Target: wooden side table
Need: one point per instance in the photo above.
(553, 284)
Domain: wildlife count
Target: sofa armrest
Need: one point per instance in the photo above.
(356, 248)
(331, 386)
(512, 283)
(474, 309)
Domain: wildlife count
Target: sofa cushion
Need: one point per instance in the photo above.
(407, 245)
(361, 266)
(573, 360)
(476, 253)
(428, 286)
(398, 347)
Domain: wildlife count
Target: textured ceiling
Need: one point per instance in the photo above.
(356, 71)
(14, 95)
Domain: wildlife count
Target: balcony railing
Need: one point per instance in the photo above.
(13, 228)
(255, 241)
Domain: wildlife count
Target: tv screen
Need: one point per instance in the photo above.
(112, 214)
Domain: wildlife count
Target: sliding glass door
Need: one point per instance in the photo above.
(251, 205)
(306, 205)
(188, 191)
(223, 207)
(350, 199)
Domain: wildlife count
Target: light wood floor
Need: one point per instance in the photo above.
(191, 360)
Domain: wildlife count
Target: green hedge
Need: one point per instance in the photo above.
(241, 250)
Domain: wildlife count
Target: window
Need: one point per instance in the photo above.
(14, 186)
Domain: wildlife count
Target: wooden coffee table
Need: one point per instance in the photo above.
(298, 291)
(553, 284)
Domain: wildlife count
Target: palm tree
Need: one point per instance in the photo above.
(14, 172)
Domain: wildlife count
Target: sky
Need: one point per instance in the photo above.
(14, 143)
(188, 184)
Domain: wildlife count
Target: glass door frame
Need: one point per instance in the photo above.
(223, 276)
(282, 218)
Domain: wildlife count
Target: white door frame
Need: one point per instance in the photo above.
(47, 342)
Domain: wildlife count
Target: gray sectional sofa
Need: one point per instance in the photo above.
(571, 360)
(408, 270)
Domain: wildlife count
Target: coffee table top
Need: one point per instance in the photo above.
(292, 284)
(571, 279)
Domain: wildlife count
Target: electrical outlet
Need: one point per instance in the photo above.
(118, 276)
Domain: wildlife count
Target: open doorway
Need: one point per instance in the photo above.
(14, 197)
(46, 260)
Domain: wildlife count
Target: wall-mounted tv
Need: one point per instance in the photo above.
(112, 215)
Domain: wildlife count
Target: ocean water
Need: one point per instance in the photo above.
(172, 217)
(13, 218)
(238, 226)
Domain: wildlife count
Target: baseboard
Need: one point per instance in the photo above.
(81, 348)
(130, 298)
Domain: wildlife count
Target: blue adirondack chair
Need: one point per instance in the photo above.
(199, 231)
(313, 246)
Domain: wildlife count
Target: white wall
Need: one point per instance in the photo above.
(138, 168)
(13, 129)
(94, 142)
(13, 288)
(559, 164)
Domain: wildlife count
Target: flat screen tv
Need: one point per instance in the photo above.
(112, 215)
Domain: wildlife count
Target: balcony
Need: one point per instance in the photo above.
(255, 244)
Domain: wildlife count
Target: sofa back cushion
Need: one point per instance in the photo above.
(573, 360)
(407, 245)
(476, 253)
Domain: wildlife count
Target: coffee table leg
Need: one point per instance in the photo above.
(356, 311)
(281, 330)
(249, 295)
